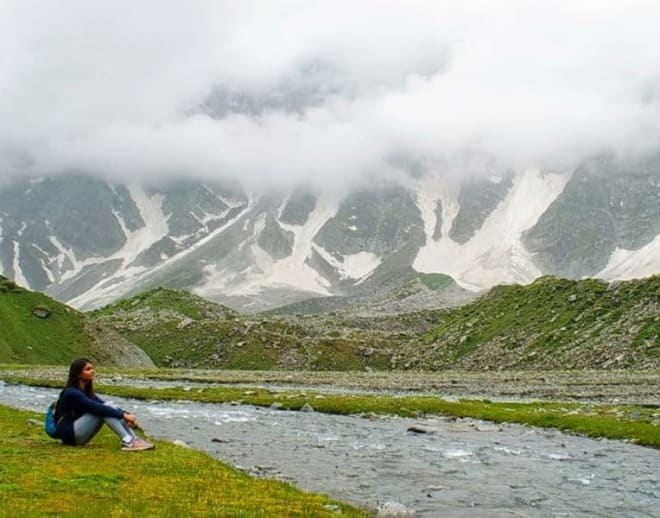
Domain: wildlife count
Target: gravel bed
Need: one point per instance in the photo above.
(597, 386)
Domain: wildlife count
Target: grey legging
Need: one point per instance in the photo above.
(88, 425)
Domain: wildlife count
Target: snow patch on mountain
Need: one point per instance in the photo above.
(360, 265)
(259, 225)
(126, 278)
(633, 264)
(155, 228)
(292, 271)
(45, 261)
(353, 266)
(19, 278)
(229, 201)
(495, 254)
(205, 218)
(155, 222)
(66, 255)
(430, 190)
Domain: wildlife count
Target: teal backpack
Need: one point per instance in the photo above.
(50, 423)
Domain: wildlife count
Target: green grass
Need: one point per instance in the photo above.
(549, 314)
(40, 477)
(649, 332)
(27, 339)
(246, 344)
(179, 301)
(435, 281)
(543, 323)
(554, 323)
(634, 423)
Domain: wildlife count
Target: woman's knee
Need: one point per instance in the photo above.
(86, 427)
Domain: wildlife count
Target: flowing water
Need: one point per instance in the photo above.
(461, 467)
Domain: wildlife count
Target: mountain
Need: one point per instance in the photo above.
(605, 223)
(88, 242)
(551, 323)
(39, 330)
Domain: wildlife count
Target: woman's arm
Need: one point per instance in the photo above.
(84, 404)
(128, 417)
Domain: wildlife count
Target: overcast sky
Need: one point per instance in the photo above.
(281, 90)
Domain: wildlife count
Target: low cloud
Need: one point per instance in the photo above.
(278, 92)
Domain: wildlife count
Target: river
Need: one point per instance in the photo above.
(460, 467)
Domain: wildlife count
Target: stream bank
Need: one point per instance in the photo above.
(458, 467)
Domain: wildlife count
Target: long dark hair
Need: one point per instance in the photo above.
(75, 370)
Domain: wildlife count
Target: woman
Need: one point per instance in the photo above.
(80, 413)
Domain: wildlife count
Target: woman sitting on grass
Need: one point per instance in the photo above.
(80, 413)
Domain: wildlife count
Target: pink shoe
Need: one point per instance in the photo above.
(136, 444)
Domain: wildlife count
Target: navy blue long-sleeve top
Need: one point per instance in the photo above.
(72, 404)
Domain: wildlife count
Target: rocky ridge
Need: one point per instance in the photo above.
(553, 324)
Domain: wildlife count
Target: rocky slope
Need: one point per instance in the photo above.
(551, 324)
(608, 205)
(178, 329)
(403, 291)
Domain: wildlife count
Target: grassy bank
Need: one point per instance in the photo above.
(547, 324)
(626, 422)
(38, 477)
(26, 338)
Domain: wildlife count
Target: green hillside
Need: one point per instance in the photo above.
(36, 329)
(179, 329)
(26, 338)
(551, 323)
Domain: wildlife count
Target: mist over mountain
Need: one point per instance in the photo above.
(263, 153)
(88, 242)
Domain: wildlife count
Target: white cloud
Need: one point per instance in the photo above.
(115, 88)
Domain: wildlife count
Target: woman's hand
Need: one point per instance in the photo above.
(130, 419)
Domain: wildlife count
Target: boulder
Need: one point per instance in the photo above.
(41, 312)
